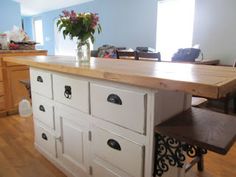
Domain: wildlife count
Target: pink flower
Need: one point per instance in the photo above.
(66, 13)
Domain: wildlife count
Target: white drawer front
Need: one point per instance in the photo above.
(43, 110)
(101, 171)
(41, 82)
(72, 92)
(126, 108)
(120, 152)
(45, 140)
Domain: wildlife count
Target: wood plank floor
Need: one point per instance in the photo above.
(18, 157)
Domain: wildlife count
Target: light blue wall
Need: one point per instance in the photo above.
(27, 22)
(10, 15)
(214, 29)
(129, 23)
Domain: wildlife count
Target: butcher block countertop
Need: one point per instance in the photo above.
(201, 80)
(22, 52)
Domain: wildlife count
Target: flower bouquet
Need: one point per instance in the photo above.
(81, 26)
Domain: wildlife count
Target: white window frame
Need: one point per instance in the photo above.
(41, 42)
(174, 28)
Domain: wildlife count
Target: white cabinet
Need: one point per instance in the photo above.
(94, 128)
(73, 131)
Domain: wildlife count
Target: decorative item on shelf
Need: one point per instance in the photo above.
(24, 45)
(81, 26)
(19, 40)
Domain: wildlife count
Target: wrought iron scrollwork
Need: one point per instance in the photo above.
(171, 152)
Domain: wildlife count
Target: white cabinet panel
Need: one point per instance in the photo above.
(72, 136)
(73, 145)
(124, 107)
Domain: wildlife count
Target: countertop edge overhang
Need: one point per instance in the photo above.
(112, 70)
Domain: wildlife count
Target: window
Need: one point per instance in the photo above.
(174, 26)
(38, 31)
(66, 47)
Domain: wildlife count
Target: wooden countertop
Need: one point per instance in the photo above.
(22, 52)
(201, 80)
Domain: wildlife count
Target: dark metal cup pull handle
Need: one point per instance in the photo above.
(67, 92)
(40, 79)
(41, 108)
(113, 98)
(44, 136)
(114, 144)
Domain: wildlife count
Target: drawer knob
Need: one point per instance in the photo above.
(41, 108)
(114, 144)
(40, 79)
(113, 98)
(44, 136)
(67, 92)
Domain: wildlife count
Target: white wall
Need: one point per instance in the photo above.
(215, 29)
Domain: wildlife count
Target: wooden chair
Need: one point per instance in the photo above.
(126, 54)
(148, 55)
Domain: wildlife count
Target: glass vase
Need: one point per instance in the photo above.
(83, 53)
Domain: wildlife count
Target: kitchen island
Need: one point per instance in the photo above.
(98, 119)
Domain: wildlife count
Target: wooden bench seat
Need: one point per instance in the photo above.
(207, 129)
(194, 129)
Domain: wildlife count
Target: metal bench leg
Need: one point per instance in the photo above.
(200, 164)
(172, 152)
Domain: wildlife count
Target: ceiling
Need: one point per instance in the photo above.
(29, 7)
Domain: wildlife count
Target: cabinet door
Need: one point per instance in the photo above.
(15, 91)
(73, 144)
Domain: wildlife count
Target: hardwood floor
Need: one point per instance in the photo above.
(19, 158)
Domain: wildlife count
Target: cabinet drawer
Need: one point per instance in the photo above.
(41, 82)
(120, 152)
(44, 139)
(124, 107)
(71, 91)
(43, 110)
(100, 170)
